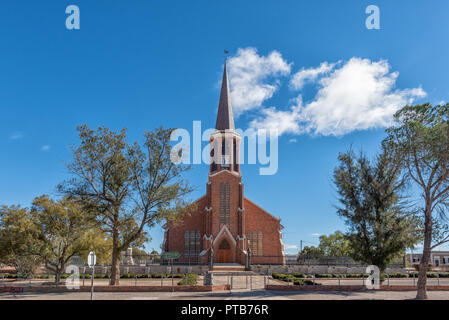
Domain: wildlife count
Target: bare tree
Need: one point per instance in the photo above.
(421, 139)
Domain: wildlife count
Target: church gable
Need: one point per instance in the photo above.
(258, 211)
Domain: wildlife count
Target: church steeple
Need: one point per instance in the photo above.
(225, 117)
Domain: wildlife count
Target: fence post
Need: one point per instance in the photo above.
(3, 279)
(251, 282)
(438, 278)
(339, 280)
(161, 280)
(388, 279)
(30, 279)
(135, 281)
(413, 279)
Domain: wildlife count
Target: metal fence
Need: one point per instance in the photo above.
(316, 260)
(99, 280)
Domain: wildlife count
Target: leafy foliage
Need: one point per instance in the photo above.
(20, 240)
(420, 139)
(380, 228)
(130, 187)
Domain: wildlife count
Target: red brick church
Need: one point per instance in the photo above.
(224, 219)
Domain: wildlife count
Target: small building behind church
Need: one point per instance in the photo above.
(226, 223)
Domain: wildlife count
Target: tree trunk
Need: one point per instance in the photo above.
(57, 277)
(115, 264)
(422, 277)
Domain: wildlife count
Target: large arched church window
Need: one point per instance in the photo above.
(224, 203)
(192, 243)
(255, 242)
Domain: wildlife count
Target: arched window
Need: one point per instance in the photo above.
(212, 155)
(187, 243)
(192, 243)
(255, 242)
(224, 203)
(235, 155)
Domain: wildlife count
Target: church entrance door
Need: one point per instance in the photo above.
(224, 252)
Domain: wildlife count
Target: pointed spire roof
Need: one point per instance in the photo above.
(225, 117)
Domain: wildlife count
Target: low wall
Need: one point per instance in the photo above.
(145, 269)
(176, 288)
(316, 269)
(264, 269)
(350, 288)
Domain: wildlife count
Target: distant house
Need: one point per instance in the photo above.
(437, 258)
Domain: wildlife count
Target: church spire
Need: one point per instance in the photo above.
(225, 118)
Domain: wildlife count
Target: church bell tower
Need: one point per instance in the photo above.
(224, 223)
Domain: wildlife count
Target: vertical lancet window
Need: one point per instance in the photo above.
(224, 203)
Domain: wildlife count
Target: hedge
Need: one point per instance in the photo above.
(189, 280)
(301, 276)
(305, 282)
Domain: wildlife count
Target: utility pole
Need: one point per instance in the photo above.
(300, 246)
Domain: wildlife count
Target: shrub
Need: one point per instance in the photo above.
(275, 275)
(444, 274)
(188, 280)
(323, 275)
(397, 275)
(356, 275)
(158, 275)
(304, 282)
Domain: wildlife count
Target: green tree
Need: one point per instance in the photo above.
(140, 254)
(64, 227)
(311, 251)
(379, 226)
(420, 138)
(335, 244)
(20, 240)
(130, 187)
(99, 242)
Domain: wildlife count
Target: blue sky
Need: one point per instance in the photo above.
(142, 64)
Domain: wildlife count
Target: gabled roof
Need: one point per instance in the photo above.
(225, 117)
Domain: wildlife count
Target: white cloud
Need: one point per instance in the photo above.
(300, 78)
(16, 136)
(254, 78)
(45, 147)
(277, 120)
(293, 140)
(359, 95)
(316, 234)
